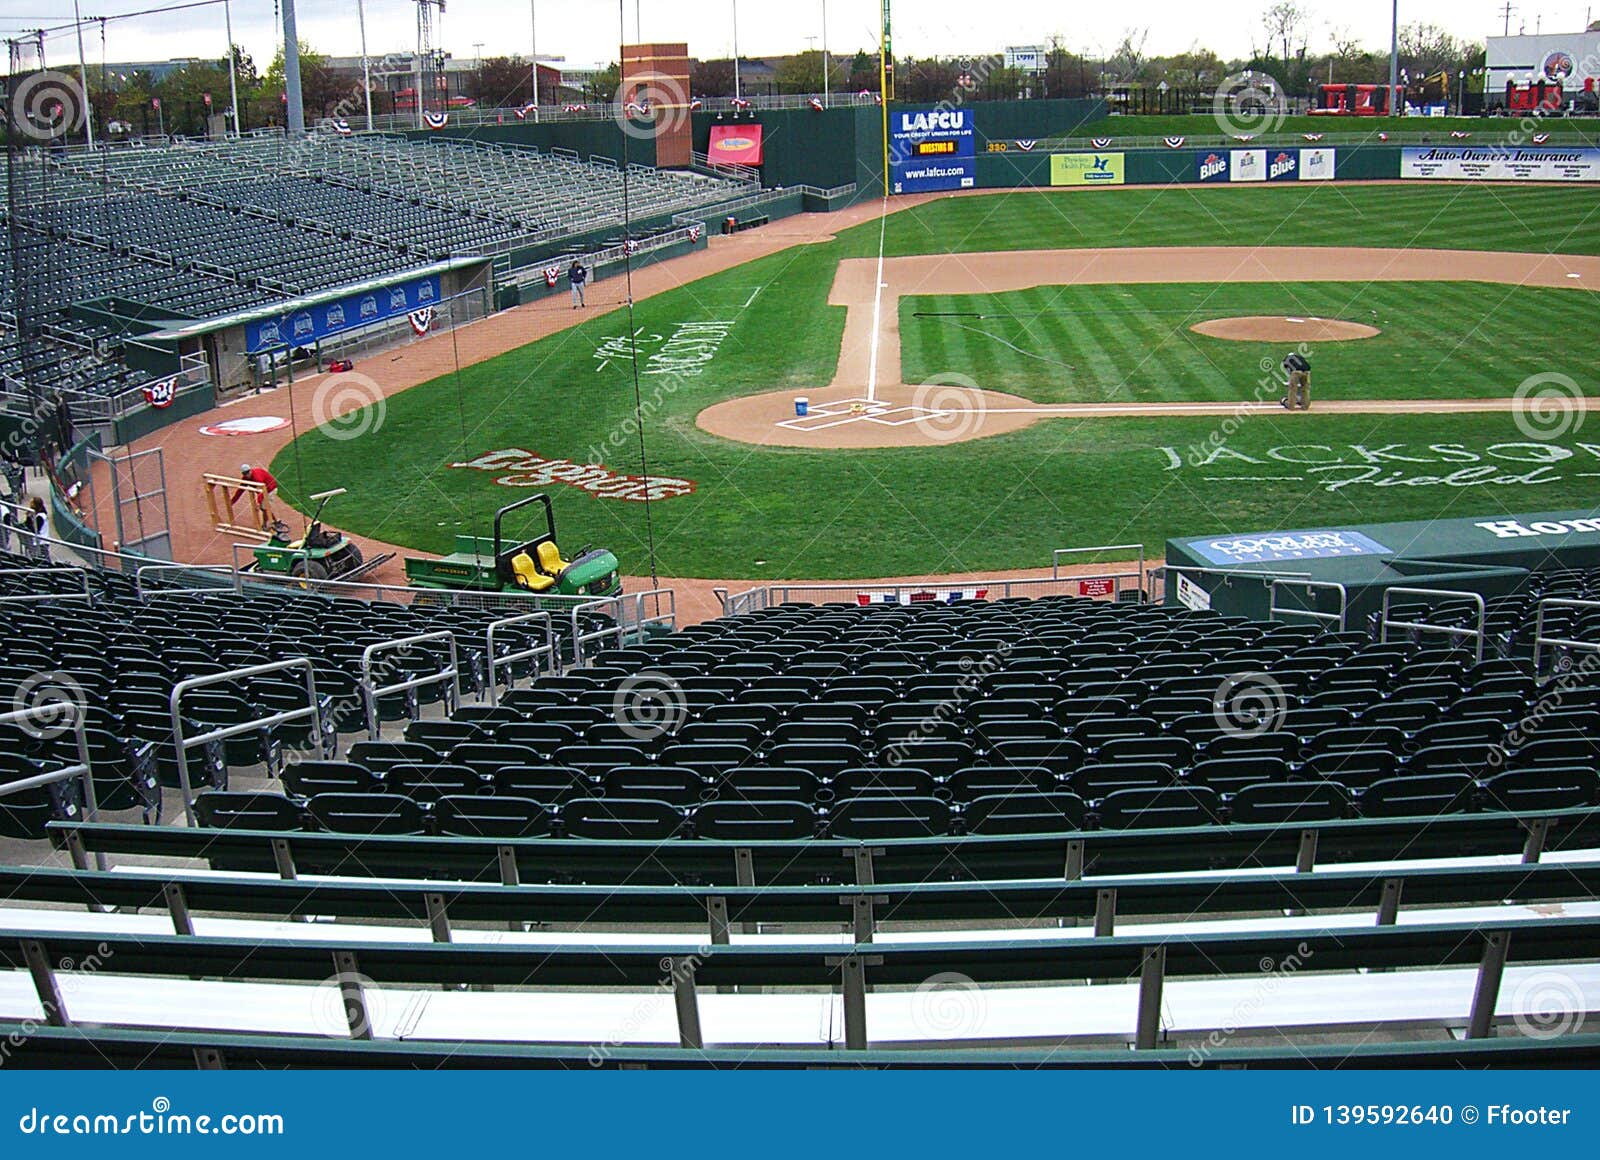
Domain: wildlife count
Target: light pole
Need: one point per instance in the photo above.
(1394, 59)
(825, 69)
(233, 73)
(533, 46)
(737, 94)
(83, 79)
(366, 64)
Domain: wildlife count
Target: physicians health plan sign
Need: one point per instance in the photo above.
(1533, 163)
(932, 150)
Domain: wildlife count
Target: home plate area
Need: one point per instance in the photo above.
(838, 412)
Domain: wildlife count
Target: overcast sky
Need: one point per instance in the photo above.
(586, 32)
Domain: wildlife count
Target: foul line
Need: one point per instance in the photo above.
(877, 304)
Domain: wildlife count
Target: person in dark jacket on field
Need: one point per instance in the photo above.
(578, 276)
(1298, 368)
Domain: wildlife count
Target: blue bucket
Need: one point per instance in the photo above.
(802, 405)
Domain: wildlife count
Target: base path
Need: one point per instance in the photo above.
(851, 412)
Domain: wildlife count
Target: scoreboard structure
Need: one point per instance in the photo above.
(931, 150)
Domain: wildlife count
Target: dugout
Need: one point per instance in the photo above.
(1308, 573)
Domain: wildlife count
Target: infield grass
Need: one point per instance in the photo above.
(1092, 344)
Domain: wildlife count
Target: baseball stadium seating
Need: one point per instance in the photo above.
(202, 230)
(992, 773)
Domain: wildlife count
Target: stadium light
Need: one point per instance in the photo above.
(736, 93)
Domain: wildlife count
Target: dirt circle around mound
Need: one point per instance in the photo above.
(896, 416)
(1288, 328)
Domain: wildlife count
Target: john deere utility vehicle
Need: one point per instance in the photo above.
(535, 566)
(320, 554)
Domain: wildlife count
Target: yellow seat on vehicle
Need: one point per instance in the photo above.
(528, 576)
(550, 560)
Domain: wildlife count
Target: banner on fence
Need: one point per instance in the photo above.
(1465, 163)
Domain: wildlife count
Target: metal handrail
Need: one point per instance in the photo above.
(1277, 612)
(1539, 638)
(81, 770)
(580, 638)
(183, 744)
(218, 570)
(547, 649)
(669, 617)
(755, 600)
(1476, 599)
(370, 693)
(50, 570)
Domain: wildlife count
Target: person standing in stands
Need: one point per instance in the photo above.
(37, 526)
(269, 488)
(577, 275)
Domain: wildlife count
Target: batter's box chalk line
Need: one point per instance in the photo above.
(841, 412)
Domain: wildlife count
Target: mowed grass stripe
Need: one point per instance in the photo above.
(1516, 218)
(1134, 343)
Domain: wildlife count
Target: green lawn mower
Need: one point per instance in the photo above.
(320, 554)
(534, 566)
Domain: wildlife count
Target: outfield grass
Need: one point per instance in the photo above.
(1091, 344)
(994, 503)
(1198, 125)
(1465, 217)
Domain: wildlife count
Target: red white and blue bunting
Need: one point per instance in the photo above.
(694, 234)
(435, 120)
(421, 320)
(1540, 138)
(816, 104)
(1312, 136)
(1459, 134)
(1100, 142)
(522, 113)
(926, 596)
(1173, 142)
(342, 127)
(160, 393)
(552, 275)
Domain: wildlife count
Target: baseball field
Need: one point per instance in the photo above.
(990, 377)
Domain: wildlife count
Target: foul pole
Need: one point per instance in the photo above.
(885, 93)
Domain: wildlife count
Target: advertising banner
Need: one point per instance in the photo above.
(1247, 165)
(735, 145)
(932, 150)
(304, 327)
(1530, 163)
(1317, 164)
(1283, 165)
(1088, 169)
(1271, 547)
(1213, 165)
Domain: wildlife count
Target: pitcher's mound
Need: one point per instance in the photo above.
(1263, 328)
